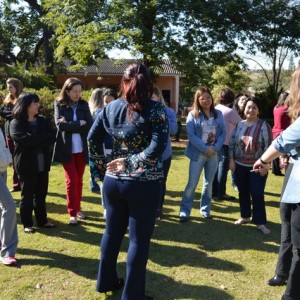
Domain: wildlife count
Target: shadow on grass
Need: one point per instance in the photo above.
(186, 256)
(171, 289)
(85, 267)
(214, 235)
(273, 195)
(80, 233)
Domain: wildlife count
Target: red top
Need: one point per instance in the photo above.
(281, 120)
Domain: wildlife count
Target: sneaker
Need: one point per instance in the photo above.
(104, 214)
(73, 221)
(80, 215)
(263, 229)
(9, 260)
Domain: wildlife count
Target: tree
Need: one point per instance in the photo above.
(292, 65)
(230, 76)
(272, 28)
(24, 20)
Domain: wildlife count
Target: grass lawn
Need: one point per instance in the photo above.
(202, 259)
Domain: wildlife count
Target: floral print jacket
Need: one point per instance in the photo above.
(140, 139)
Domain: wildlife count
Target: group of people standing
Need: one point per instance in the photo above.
(219, 139)
(127, 144)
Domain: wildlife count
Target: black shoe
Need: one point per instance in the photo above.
(277, 280)
(118, 286)
(183, 219)
(226, 197)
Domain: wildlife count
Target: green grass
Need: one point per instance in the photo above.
(202, 259)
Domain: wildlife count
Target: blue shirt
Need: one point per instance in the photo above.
(196, 146)
(141, 140)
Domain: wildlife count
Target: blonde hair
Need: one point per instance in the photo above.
(293, 99)
(96, 100)
(158, 93)
(18, 85)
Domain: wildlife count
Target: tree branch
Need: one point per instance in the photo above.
(264, 70)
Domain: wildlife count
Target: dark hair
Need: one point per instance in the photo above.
(22, 104)
(236, 105)
(226, 96)
(136, 87)
(109, 92)
(281, 99)
(63, 97)
(197, 106)
(257, 102)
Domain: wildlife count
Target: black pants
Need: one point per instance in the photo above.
(276, 167)
(166, 168)
(292, 291)
(132, 204)
(34, 189)
(285, 251)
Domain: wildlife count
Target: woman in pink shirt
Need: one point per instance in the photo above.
(281, 122)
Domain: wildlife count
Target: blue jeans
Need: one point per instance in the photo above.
(219, 183)
(251, 191)
(210, 167)
(94, 186)
(8, 220)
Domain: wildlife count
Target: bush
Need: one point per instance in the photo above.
(32, 77)
(47, 97)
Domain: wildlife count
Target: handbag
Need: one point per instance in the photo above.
(5, 155)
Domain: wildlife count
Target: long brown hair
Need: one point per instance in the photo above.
(63, 97)
(136, 87)
(18, 85)
(293, 100)
(197, 109)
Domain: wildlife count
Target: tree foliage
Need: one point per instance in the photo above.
(197, 36)
(274, 30)
(230, 76)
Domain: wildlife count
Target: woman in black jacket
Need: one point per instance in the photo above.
(15, 88)
(33, 137)
(73, 121)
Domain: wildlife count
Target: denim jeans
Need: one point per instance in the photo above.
(210, 167)
(251, 191)
(219, 183)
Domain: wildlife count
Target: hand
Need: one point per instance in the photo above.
(259, 165)
(284, 160)
(262, 171)
(116, 165)
(62, 120)
(210, 152)
(82, 122)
